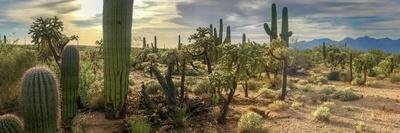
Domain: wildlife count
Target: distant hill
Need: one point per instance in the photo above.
(362, 43)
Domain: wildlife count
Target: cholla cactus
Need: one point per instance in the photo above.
(11, 124)
(40, 101)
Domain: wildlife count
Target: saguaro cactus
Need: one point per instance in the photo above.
(221, 31)
(144, 42)
(69, 83)
(228, 35)
(5, 39)
(155, 44)
(179, 43)
(11, 124)
(243, 38)
(324, 51)
(273, 30)
(40, 101)
(285, 33)
(117, 33)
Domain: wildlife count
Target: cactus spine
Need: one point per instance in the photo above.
(11, 124)
(285, 33)
(69, 83)
(273, 30)
(228, 35)
(144, 42)
(117, 33)
(40, 101)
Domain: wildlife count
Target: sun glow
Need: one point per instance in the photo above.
(89, 8)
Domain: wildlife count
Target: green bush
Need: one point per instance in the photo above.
(380, 76)
(394, 78)
(139, 125)
(346, 95)
(318, 79)
(267, 93)
(153, 87)
(251, 122)
(360, 127)
(358, 81)
(333, 76)
(327, 90)
(330, 105)
(297, 105)
(322, 114)
(203, 86)
(252, 85)
(344, 76)
(278, 105)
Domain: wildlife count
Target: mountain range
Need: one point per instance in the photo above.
(362, 43)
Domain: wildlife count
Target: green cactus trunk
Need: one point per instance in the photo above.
(40, 101)
(5, 39)
(221, 31)
(285, 26)
(273, 30)
(324, 51)
(155, 44)
(144, 42)
(179, 43)
(117, 33)
(211, 30)
(69, 84)
(11, 124)
(243, 38)
(228, 35)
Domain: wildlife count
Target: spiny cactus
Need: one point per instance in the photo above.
(243, 38)
(5, 39)
(117, 33)
(179, 43)
(285, 33)
(11, 124)
(324, 51)
(155, 44)
(273, 30)
(228, 35)
(144, 42)
(69, 83)
(40, 101)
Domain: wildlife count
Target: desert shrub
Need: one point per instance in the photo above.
(300, 98)
(318, 79)
(330, 105)
(394, 78)
(297, 105)
(346, 95)
(177, 83)
(139, 125)
(381, 76)
(277, 105)
(307, 89)
(344, 76)
(203, 86)
(358, 81)
(192, 72)
(252, 85)
(333, 76)
(322, 114)
(360, 127)
(372, 83)
(267, 93)
(327, 90)
(153, 87)
(251, 122)
(14, 61)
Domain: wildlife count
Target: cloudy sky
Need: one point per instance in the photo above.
(309, 19)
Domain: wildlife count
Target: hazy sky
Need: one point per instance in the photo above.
(309, 19)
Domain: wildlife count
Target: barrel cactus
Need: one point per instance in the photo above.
(117, 33)
(11, 124)
(40, 101)
(69, 83)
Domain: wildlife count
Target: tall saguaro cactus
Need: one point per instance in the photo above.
(69, 83)
(179, 43)
(228, 35)
(285, 33)
(324, 51)
(11, 124)
(40, 101)
(273, 30)
(144, 42)
(243, 38)
(117, 33)
(155, 44)
(221, 31)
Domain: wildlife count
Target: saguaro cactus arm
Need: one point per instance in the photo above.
(273, 30)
